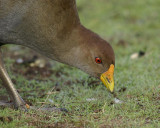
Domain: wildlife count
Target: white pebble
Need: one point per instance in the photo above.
(117, 101)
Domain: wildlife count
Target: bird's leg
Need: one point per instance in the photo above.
(7, 83)
(18, 102)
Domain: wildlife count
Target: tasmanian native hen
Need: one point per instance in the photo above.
(53, 28)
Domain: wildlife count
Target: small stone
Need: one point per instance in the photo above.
(91, 99)
(134, 56)
(40, 63)
(19, 61)
(117, 101)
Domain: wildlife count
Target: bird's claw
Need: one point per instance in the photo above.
(24, 107)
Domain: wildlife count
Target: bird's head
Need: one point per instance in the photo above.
(93, 55)
(97, 59)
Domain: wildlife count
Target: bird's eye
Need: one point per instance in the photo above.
(98, 60)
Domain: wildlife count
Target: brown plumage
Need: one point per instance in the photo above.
(53, 28)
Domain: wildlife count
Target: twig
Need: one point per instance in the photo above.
(48, 94)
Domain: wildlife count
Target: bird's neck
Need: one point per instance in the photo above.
(76, 46)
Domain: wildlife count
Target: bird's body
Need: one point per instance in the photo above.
(42, 25)
(53, 28)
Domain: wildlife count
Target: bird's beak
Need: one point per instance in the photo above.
(107, 78)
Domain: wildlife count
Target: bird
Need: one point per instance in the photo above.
(53, 28)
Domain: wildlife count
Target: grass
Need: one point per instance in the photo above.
(130, 27)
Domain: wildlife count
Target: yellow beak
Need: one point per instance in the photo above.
(107, 78)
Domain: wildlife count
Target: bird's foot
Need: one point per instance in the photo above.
(6, 104)
(48, 109)
(26, 107)
(23, 107)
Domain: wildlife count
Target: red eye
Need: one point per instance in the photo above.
(98, 60)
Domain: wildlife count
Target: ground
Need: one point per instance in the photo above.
(131, 27)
